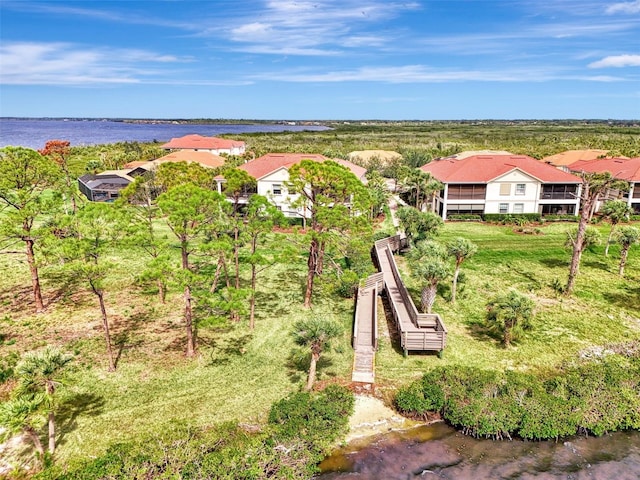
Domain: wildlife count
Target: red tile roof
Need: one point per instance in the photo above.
(622, 168)
(485, 168)
(198, 142)
(269, 163)
(357, 170)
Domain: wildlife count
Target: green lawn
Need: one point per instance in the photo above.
(605, 308)
(239, 374)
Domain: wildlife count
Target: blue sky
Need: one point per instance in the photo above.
(321, 59)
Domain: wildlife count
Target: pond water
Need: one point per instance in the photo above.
(438, 451)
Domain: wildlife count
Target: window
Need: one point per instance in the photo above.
(276, 188)
(504, 208)
(466, 192)
(518, 208)
(559, 192)
(505, 189)
(521, 188)
(558, 209)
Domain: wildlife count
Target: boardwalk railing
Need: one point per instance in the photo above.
(418, 331)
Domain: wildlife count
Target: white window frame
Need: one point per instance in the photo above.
(518, 208)
(521, 188)
(503, 206)
(276, 188)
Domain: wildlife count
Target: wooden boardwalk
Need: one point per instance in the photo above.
(417, 331)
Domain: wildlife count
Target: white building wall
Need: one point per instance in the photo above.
(219, 151)
(282, 200)
(522, 197)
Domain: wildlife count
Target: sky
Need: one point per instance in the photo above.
(321, 59)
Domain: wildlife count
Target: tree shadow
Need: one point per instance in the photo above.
(123, 341)
(629, 297)
(269, 306)
(596, 265)
(394, 335)
(125, 329)
(554, 262)
(223, 349)
(85, 404)
(483, 333)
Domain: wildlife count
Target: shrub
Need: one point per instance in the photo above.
(301, 429)
(469, 217)
(592, 397)
(511, 218)
(420, 398)
(314, 418)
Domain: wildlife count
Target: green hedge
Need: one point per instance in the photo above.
(516, 218)
(561, 218)
(465, 217)
(595, 397)
(301, 430)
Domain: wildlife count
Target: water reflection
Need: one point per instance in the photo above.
(439, 452)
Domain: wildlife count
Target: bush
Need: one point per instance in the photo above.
(593, 397)
(301, 429)
(420, 398)
(561, 218)
(511, 218)
(469, 217)
(317, 419)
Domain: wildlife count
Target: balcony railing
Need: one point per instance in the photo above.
(558, 196)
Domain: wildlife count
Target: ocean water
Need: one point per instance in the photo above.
(34, 133)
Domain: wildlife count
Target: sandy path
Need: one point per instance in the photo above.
(371, 416)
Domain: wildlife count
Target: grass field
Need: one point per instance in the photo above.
(239, 374)
(605, 308)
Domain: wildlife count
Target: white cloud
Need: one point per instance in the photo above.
(617, 61)
(401, 74)
(322, 27)
(624, 7)
(425, 74)
(66, 64)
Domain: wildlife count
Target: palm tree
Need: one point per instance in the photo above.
(579, 240)
(22, 415)
(461, 249)
(510, 313)
(38, 372)
(626, 237)
(432, 272)
(429, 266)
(615, 211)
(316, 334)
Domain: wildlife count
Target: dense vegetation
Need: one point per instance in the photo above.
(418, 142)
(300, 431)
(587, 396)
(229, 403)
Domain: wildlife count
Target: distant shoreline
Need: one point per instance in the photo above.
(327, 122)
